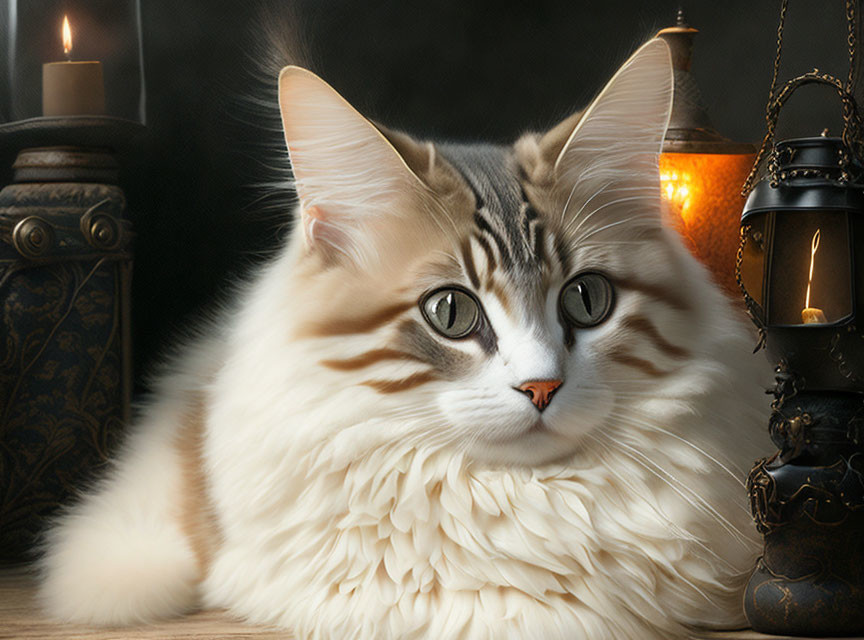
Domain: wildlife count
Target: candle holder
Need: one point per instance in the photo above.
(97, 71)
(65, 357)
(71, 99)
(800, 266)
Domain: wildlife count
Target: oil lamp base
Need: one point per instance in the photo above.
(808, 501)
(810, 580)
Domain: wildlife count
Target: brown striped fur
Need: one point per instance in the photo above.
(493, 286)
(468, 261)
(347, 325)
(645, 327)
(197, 517)
(629, 360)
(491, 262)
(366, 359)
(395, 386)
(659, 292)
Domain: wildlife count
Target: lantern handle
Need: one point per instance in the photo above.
(852, 125)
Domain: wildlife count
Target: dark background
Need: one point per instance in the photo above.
(449, 69)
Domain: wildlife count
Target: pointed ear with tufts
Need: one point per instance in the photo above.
(609, 163)
(353, 185)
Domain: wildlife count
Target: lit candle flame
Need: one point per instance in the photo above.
(814, 246)
(676, 188)
(67, 37)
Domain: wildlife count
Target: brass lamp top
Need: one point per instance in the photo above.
(690, 128)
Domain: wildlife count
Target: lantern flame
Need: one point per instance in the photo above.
(814, 247)
(675, 187)
(67, 37)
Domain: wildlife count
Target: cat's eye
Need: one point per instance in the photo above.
(452, 312)
(586, 300)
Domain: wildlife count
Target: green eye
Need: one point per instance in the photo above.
(586, 300)
(452, 312)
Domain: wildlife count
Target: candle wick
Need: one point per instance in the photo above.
(814, 246)
(66, 32)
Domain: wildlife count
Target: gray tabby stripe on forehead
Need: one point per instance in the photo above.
(492, 175)
(503, 248)
(563, 254)
(491, 263)
(468, 261)
(540, 242)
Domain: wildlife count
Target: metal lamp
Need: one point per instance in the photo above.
(800, 266)
(700, 169)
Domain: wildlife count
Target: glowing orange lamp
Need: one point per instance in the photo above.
(701, 171)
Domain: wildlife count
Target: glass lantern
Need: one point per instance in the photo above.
(71, 58)
(799, 266)
(797, 263)
(800, 269)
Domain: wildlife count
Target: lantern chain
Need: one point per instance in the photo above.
(748, 301)
(776, 71)
(852, 126)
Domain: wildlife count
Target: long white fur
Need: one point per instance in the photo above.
(348, 514)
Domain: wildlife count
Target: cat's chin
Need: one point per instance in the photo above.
(537, 428)
(535, 445)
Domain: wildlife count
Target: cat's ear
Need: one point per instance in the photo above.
(611, 156)
(352, 183)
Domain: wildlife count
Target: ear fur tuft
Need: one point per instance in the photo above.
(350, 179)
(611, 157)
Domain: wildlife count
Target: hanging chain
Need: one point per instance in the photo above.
(852, 21)
(749, 303)
(776, 74)
(770, 121)
(851, 118)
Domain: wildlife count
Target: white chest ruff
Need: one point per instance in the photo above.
(416, 542)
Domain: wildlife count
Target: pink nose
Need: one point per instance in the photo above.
(540, 391)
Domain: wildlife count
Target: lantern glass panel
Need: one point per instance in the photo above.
(753, 257)
(810, 280)
(103, 31)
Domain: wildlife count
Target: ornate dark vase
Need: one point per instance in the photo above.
(65, 377)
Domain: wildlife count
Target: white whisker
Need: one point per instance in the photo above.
(672, 482)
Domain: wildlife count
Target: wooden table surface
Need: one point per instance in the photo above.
(20, 619)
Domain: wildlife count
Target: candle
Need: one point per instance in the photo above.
(72, 88)
(812, 315)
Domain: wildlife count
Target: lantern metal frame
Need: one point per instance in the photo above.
(808, 498)
(808, 181)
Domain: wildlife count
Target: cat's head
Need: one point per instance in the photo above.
(515, 299)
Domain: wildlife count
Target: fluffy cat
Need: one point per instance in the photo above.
(483, 392)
